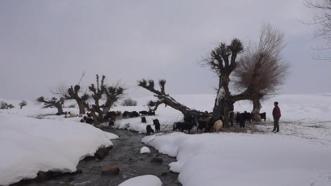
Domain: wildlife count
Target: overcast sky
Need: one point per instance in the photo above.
(49, 43)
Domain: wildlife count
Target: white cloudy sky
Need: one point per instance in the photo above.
(48, 43)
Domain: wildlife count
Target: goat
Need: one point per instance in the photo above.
(156, 124)
(149, 130)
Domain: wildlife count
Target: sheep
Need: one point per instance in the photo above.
(218, 125)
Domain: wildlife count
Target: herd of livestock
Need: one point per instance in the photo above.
(202, 124)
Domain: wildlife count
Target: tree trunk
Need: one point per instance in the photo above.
(170, 101)
(256, 109)
(81, 107)
(59, 109)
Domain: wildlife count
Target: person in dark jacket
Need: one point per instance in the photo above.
(276, 115)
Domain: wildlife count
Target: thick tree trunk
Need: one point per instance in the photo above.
(222, 111)
(166, 99)
(169, 101)
(59, 109)
(81, 106)
(256, 109)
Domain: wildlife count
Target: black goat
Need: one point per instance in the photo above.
(263, 116)
(149, 130)
(143, 119)
(156, 124)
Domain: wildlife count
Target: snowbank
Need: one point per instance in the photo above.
(245, 159)
(145, 150)
(146, 180)
(30, 145)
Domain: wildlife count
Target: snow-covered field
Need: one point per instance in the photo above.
(299, 155)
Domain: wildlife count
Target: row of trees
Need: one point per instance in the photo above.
(249, 74)
(101, 95)
(5, 105)
(258, 72)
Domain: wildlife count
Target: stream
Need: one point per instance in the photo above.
(125, 154)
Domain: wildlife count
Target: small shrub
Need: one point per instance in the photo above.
(22, 104)
(4, 105)
(72, 106)
(129, 102)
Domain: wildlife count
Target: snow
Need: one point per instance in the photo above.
(254, 159)
(298, 155)
(298, 110)
(145, 180)
(145, 150)
(30, 145)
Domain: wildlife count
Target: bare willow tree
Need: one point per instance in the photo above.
(53, 102)
(73, 92)
(260, 70)
(111, 95)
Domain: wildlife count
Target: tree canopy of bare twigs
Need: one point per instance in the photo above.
(260, 70)
(323, 18)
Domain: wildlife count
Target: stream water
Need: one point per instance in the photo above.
(125, 154)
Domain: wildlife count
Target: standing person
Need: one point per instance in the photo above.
(276, 115)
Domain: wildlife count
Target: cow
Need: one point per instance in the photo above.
(182, 126)
(127, 114)
(143, 113)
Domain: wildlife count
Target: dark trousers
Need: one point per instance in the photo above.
(242, 124)
(276, 125)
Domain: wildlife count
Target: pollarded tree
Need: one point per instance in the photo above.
(260, 70)
(223, 61)
(101, 107)
(22, 104)
(164, 98)
(74, 93)
(53, 102)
